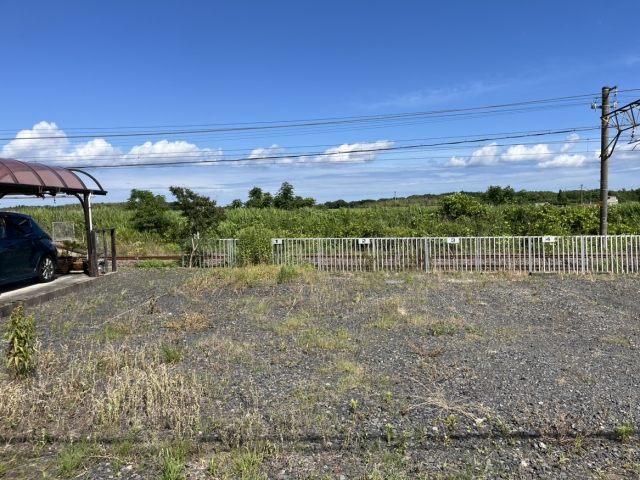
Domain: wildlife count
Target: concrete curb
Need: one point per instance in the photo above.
(49, 292)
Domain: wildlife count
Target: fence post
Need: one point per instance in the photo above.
(114, 263)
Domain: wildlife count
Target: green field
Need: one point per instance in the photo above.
(380, 221)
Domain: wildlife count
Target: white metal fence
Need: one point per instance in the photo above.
(551, 254)
(208, 252)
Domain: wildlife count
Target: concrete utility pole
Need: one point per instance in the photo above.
(604, 160)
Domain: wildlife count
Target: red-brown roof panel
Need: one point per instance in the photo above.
(39, 175)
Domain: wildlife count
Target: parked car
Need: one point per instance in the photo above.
(26, 250)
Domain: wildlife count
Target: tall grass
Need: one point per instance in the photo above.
(413, 220)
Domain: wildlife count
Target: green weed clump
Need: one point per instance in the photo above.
(21, 335)
(287, 274)
(623, 432)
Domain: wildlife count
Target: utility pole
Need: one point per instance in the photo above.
(604, 163)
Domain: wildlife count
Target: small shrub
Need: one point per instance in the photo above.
(287, 274)
(21, 335)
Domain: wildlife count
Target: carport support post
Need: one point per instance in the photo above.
(91, 244)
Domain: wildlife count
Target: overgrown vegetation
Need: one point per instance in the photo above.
(497, 212)
(21, 337)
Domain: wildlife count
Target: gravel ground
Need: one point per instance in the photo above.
(341, 376)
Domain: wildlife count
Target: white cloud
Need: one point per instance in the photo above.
(541, 153)
(520, 153)
(354, 153)
(564, 160)
(43, 140)
(273, 151)
(47, 142)
(570, 143)
(487, 155)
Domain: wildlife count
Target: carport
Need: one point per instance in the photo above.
(38, 179)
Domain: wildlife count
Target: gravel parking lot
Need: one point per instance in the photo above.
(257, 372)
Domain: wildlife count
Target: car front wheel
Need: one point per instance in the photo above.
(46, 269)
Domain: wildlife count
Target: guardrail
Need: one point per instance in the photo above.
(540, 254)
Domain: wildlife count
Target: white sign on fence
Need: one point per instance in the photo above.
(453, 240)
(276, 241)
(364, 241)
(548, 239)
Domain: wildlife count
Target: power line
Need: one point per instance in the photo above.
(471, 112)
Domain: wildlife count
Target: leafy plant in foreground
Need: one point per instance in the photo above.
(21, 335)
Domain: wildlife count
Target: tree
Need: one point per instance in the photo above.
(284, 199)
(150, 211)
(259, 199)
(497, 195)
(200, 214)
(562, 198)
(236, 203)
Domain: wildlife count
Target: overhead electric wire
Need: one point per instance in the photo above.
(587, 95)
(470, 112)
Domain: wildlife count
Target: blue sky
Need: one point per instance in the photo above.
(99, 68)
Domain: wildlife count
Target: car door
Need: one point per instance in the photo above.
(17, 248)
(4, 250)
(28, 242)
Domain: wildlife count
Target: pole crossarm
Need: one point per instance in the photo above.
(623, 119)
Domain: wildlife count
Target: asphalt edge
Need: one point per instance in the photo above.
(5, 310)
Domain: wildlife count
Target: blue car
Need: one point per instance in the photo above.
(26, 250)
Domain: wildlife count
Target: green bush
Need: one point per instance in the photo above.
(254, 246)
(287, 274)
(461, 205)
(21, 335)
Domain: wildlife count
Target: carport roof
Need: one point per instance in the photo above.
(32, 178)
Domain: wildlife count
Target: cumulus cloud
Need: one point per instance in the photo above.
(43, 140)
(520, 153)
(542, 154)
(354, 153)
(47, 142)
(259, 153)
(564, 160)
(487, 155)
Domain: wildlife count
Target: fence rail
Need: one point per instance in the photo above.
(209, 252)
(544, 254)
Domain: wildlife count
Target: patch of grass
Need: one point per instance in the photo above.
(171, 354)
(442, 328)
(189, 322)
(385, 322)
(172, 464)
(156, 263)
(623, 432)
(617, 340)
(316, 338)
(73, 457)
(289, 325)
